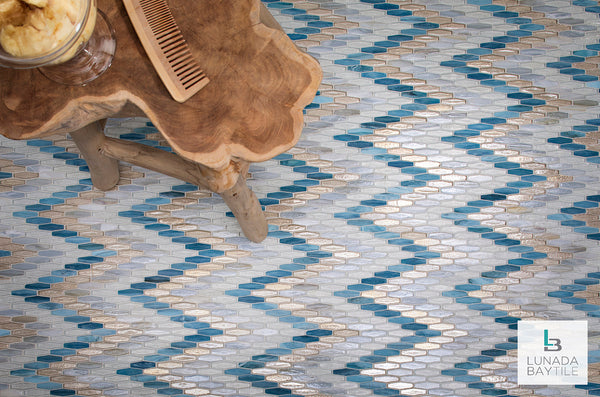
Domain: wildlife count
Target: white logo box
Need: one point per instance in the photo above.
(552, 352)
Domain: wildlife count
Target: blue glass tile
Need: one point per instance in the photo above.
(386, 6)
(572, 71)
(399, 13)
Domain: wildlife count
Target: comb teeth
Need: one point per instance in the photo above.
(166, 47)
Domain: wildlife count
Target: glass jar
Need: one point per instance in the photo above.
(75, 59)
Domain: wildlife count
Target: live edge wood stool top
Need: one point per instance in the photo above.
(250, 111)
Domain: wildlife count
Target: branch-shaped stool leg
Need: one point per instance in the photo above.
(102, 154)
(247, 210)
(103, 170)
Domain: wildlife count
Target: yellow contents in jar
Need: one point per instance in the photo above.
(31, 28)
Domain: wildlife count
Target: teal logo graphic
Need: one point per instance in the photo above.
(551, 344)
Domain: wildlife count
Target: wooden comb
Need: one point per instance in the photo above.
(167, 49)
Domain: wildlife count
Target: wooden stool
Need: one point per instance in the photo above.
(250, 111)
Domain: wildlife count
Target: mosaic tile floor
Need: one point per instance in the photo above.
(445, 187)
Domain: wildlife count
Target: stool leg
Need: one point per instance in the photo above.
(247, 210)
(103, 170)
(240, 199)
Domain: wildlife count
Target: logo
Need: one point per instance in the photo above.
(552, 352)
(551, 347)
